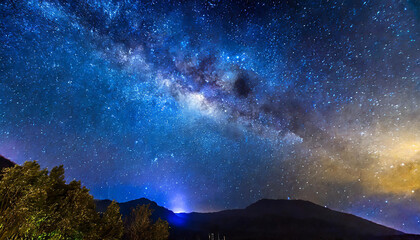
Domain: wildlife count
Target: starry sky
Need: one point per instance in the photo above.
(211, 105)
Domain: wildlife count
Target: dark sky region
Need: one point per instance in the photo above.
(210, 105)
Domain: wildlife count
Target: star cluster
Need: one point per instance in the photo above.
(209, 105)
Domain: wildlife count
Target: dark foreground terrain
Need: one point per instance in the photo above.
(265, 219)
(268, 219)
(5, 163)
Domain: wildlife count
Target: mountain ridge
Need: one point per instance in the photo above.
(268, 219)
(264, 219)
(5, 163)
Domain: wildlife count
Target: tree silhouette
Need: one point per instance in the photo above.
(35, 203)
(140, 227)
(112, 226)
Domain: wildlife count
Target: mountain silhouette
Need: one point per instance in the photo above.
(5, 163)
(126, 207)
(267, 219)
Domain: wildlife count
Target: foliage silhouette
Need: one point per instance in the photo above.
(37, 204)
(140, 227)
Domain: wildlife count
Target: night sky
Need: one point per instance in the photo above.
(210, 105)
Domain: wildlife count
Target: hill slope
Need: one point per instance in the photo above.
(125, 209)
(268, 219)
(5, 163)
